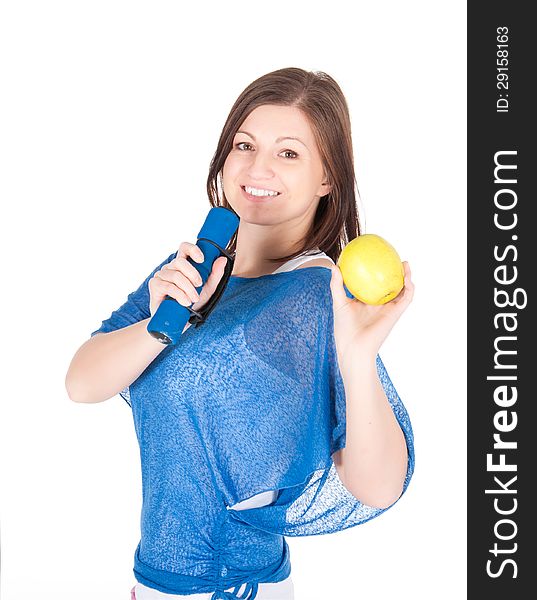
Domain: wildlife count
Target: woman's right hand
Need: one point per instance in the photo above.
(179, 279)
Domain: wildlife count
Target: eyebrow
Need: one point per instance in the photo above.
(280, 139)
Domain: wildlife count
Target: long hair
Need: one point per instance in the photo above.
(319, 97)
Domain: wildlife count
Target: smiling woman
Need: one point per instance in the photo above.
(276, 417)
(270, 178)
(289, 131)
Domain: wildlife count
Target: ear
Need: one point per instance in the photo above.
(324, 188)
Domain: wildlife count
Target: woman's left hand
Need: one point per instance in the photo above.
(359, 328)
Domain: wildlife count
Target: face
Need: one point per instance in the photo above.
(264, 161)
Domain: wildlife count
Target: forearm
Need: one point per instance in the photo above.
(375, 456)
(107, 363)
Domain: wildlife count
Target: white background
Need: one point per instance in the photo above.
(110, 114)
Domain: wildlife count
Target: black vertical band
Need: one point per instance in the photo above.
(502, 343)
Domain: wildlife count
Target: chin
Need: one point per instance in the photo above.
(252, 215)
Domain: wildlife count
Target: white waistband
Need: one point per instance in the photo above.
(280, 590)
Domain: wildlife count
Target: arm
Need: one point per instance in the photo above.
(108, 362)
(111, 360)
(373, 463)
(122, 348)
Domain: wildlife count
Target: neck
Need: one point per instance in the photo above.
(256, 244)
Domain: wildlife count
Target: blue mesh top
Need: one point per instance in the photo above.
(251, 401)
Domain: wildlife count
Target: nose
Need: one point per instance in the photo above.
(261, 167)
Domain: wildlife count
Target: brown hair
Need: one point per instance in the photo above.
(320, 98)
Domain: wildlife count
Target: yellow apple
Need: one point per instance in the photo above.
(371, 269)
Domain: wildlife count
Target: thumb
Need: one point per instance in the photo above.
(219, 266)
(217, 271)
(336, 286)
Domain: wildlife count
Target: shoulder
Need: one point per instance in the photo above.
(317, 278)
(318, 262)
(312, 287)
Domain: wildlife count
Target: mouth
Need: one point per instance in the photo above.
(257, 194)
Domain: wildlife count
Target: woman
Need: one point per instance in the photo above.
(276, 417)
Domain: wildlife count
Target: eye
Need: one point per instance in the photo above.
(242, 144)
(290, 152)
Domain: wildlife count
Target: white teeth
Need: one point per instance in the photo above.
(256, 192)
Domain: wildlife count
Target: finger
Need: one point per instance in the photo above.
(218, 268)
(336, 285)
(179, 295)
(170, 289)
(192, 250)
(404, 297)
(180, 280)
(409, 285)
(181, 264)
(211, 284)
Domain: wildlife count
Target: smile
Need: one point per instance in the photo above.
(257, 193)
